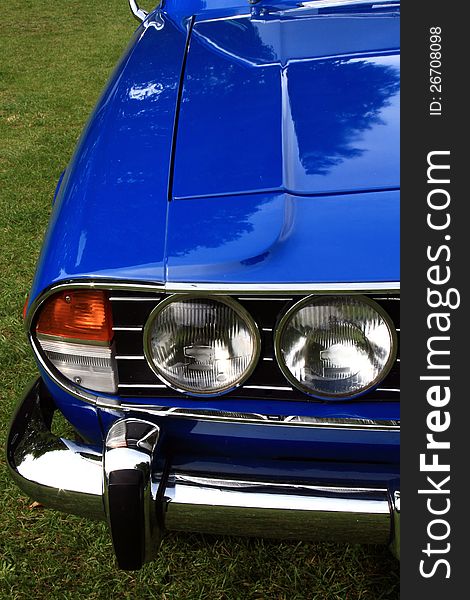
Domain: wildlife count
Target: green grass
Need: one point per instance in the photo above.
(54, 59)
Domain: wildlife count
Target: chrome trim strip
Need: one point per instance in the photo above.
(264, 298)
(215, 288)
(160, 288)
(216, 416)
(240, 484)
(140, 386)
(130, 357)
(128, 328)
(291, 288)
(269, 387)
(343, 3)
(144, 386)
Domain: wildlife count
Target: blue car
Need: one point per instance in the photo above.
(215, 310)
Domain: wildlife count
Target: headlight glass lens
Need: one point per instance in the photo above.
(336, 346)
(203, 346)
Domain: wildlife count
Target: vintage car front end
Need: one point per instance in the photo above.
(216, 306)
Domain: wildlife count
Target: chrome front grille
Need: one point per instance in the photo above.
(130, 313)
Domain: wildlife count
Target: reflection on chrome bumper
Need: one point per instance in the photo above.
(129, 477)
(269, 509)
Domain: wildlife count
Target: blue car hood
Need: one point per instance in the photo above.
(278, 237)
(281, 164)
(289, 101)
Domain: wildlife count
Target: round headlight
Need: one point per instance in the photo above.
(201, 345)
(336, 346)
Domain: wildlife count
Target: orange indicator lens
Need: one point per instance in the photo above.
(82, 315)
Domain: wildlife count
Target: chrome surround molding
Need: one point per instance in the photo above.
(169, 287)
(294, 382)
(213, 289)
(218, 288)
(291, 288)
(228, 301)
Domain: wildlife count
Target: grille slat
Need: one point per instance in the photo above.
(136, 378)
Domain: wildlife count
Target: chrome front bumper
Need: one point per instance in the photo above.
(129, 484)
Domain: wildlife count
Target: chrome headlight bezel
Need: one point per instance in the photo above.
(232, 304)
(284, 320)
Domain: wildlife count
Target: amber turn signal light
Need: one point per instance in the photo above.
(78, 315)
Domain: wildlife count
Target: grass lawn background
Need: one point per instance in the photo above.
(54, 59)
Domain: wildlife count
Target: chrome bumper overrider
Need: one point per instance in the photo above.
(133, 487)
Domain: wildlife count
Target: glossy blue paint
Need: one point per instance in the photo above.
(205, 439)
(301, 103)
(261, 441)
(285, 238)
(275, 441)
(179, 10)
(285, 170)
(110, 214)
